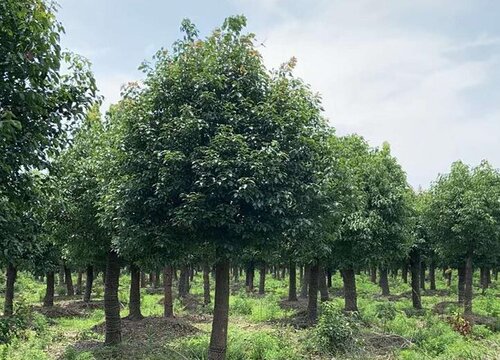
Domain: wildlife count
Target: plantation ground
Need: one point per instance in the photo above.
(261, 327)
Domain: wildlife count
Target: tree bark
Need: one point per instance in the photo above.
(79, 281)
(9, 290)
(384, 281)
(134, 304)
(250, 271)
(415, 281)
(48, 300)
(422, 275)
(218, 338)
(143, 279)
(323, 288)
(292, 288)
(404, 273)
(113, 332)
(206, 284)
(157, 280)
(432, 275)
(350, 293)
(312, 305)
(184, 282)
(468, 286)
(305, 282)
(373, 274)
(70, 290)
(168, 304)
(461, 283)
(89, 280)
(61, 275)
(262, 279)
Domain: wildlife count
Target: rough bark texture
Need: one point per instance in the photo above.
(206, 284)
(415, 281)
(113, 332)
(422, 275)
(218, 338)
(48, 300)
(70, 290)
(9, 290)
(305, 282)
(432, 275)
(88, 283)
(384, 281)
(134, 304)
(323, 288)
(184, 282)
(468, 286)
(350, 293)
(249, 276)
(262, 279)
(461, 283)
(312, 305)
(168, 303)
(292, 288)
(79, 281)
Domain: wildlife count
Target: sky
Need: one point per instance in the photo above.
(422, 75)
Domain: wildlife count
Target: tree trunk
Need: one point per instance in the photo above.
(79, 280)
(61, 275)
(262, 279)
(415, 281)
(432, 275)
(134, 304)
(404, 273)
(236, 274)
(292, 288)
(143, 279)
(373, 274)
(168, 303)
(301, 273)
(113, 332)
(329, 278)
(384, 281)
(218, 338)
(468, 286)
(422, 275)
(70, 290)
(9, 290)
(323, 288)
(249, 277)
(350, 293)
(461, 283)
(305, 282)
(206, 284)
(312, 305)
(488, 277)
(157, 280)
(88, 283)
(448, 278)
(48, 300)
(184, 282)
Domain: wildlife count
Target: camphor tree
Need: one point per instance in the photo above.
(464, 215)
(221, 145)
(37, 105)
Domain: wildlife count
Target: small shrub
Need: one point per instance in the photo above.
(386, 312)
(460, 324)
(335, 332)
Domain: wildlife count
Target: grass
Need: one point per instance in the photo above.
(257, 327)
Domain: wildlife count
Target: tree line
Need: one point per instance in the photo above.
(215, 164)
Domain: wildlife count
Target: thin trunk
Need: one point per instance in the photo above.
(236, 274)
(422, 275)
(312, 305)
(61, 275)
(79, 281)
(404, 273)
(151, 278)
(9, 290)
(415, 281)
(432, 275)
(168, 304)
(143, 279)
(373, 274)
(48, 300)
(157, 280)
(323, 289)
(468, 286)
(384, 281)
(301, 273)
(292, 288)
(183, 282)
(448, 278)
(113, 331)
(250, 273)
(329, 278)
(134, 304)
(488, 277)
(206, 284)
(218, 338)
(461, 283)
(70, 290)
(305, 282)
(262, 279)
(350, 293)
(88, 283)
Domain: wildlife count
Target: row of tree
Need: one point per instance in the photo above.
(211, 163)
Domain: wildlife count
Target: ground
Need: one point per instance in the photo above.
(261, 327)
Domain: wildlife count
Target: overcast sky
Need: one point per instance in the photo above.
(422, 75)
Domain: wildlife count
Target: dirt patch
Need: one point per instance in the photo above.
(69, 309)
(491, 322)
(384, 344)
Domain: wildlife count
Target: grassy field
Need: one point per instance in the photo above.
(261, 327)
